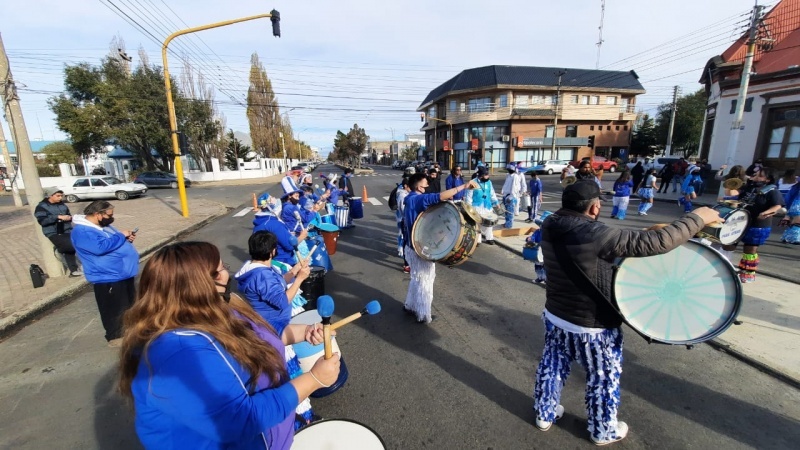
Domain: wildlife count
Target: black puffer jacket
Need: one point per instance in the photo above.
(47, 213)
(595, 246)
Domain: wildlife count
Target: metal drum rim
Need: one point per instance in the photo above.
(380, 438)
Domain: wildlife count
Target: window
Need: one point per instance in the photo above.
(521, 100)
(584, 99)
(451, 106)
(537, 99)
(608, 128)
(617, 128)
(482, 104)
(98, 182)
(748, 105)
(462, 107)
(548, 131)
(776, 142)
(573, 99)
(625, 128)
(594, 100)
(432, 111)
(503, 100)
(82, 182)
(572, 131)
(611, 100)
(591, 127)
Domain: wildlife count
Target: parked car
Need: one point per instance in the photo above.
(549, 166)
(101, 187)
(598, 163)
(160, 179)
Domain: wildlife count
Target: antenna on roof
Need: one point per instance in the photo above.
(600, 39)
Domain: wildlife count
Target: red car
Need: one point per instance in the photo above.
(598, 163)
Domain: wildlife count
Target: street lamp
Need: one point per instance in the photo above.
(173, 121)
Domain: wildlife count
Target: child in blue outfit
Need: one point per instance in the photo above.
(688, 189)
(534, 242)
(622, 195)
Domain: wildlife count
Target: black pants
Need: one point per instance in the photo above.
(64, 245)
(113, 299)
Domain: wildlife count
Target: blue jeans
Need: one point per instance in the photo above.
(510, 205)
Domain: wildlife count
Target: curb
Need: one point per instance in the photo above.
(10, 324)
(721, 344)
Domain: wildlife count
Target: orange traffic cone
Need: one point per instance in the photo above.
(255, 205)
(364, 194)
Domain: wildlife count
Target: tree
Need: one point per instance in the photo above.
(688, 122)
(410, 153)
(263, 113)
(202, 123)
(348, 148)
(60, 152)
(644, 138)
(235, 151)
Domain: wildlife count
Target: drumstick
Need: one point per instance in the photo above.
(373, 307)
(325, 310)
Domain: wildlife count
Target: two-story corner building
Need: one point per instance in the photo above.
(771, 120)
(497, 114)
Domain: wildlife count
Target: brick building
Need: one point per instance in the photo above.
(498, 114)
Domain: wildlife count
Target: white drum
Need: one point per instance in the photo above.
(306, 353)
(731, 229)
(337, 434)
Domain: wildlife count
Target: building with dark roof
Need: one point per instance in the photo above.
(771, 120)
(498, 114)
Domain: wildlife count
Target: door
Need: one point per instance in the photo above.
(82, 188)
(99, 189)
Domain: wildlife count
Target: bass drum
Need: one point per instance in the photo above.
(684, 297)
(337, 434)
(444, 233)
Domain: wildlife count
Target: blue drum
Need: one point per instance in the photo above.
(356, 208)
(320, 256)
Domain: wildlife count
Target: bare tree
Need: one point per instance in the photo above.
(263, 113)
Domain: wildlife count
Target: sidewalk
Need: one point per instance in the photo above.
(159, 221)
(769, 338)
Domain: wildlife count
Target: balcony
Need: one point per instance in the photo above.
(597, 112)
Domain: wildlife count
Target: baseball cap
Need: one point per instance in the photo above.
(581, 190)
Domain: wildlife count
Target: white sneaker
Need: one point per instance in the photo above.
(545, 425)
(622, 431)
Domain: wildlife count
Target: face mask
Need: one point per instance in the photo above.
(106, 221)
(294, 201)
(228, 288)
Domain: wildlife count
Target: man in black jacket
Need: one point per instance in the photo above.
(579, 253)
(345, 184)
(56, 221)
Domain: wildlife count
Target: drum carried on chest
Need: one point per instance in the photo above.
(731, 230)
(444, 233)
(337, 434)
(489, 219)
(684, 297)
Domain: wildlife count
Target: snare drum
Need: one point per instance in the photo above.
(308, 354)
(337, 434)
(683, 297)
(489, 219)
(342, 216)
(730, 231)
(442, 233)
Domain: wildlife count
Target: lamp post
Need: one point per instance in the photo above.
(173, 121)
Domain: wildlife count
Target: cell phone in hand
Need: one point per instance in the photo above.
(135, 230)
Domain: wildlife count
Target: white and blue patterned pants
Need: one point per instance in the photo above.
(601, 355)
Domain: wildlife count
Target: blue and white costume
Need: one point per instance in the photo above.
(792, 235)
(482, 199)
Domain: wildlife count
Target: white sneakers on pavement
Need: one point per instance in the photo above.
(622, 431)
(545, 425)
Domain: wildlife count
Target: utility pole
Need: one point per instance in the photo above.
(600, 39)
(283, 146)
(10, 172)
(560, 73)
(736, 126)
(668, 150)
(27, 165)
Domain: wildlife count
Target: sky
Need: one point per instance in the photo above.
(365, 62)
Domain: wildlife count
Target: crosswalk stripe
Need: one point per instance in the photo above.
(386, 198)
(374, 201)
(243, 212)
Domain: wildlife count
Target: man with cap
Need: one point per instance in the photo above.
(483, 198)
(347, 186)
(56, 221)
(580, 322)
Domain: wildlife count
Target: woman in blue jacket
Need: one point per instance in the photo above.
(110, 262)
(202, 368)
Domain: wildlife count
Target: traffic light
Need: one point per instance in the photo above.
(276, 23)
(183, 143)
(422, 117)
(590, 142)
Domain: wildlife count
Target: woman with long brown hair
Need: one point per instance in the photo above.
(202, 368)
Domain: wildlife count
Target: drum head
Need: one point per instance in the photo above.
(686, 296)
(436, 231)
(735, 224)
(337, 434)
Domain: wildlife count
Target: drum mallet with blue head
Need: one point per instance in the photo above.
(373, 307)
(325, 310)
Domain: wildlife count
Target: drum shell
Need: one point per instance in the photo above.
(356, 208)
(342, 216)
(731, 230)
(465, 242)
(330, 238)
(489, 219)
(328, 218)
(337, 434)
(320, 256)
(313, 287)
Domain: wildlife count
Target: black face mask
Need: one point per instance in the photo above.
(758, 184)
(105, 221)
(228, 288)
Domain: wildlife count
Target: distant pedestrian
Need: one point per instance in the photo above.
(646, 192)
(637, 174)
(666, 174)
(535, 191)
(534, 242)
(622, 195)
(453, 180)
(511, 194)
(56, 221)
(110, 263)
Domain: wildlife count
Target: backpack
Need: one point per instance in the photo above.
(393, 199)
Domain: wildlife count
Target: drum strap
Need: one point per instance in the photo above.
(587, 285)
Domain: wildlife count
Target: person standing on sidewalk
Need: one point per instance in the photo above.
(666, 174)
(535, 191)
(423, 272)
(511, 194)
(110, 263)
(56, 221)
(347, 186)
(580, 322)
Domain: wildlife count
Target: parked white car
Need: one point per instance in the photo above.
(550, 166)
(101, 187)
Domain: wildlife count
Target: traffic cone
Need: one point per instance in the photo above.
(255, 204)
(364, 194)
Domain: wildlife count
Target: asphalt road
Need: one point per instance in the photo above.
(463, 382)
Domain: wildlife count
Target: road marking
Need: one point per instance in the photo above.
(374, 201)
(386, 198)
(243, 212)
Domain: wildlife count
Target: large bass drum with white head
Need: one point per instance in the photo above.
(445, 233)
(687, 296)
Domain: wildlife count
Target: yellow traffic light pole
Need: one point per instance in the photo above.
(173, 121)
